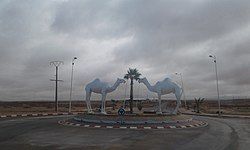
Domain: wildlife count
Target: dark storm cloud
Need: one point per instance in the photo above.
(169, 25)
(178, 36)
(158, 37)
(89, 19)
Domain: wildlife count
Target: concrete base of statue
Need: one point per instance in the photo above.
(136, 119)
(133, 121)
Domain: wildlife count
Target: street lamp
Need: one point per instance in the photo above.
(217, 83)
(182, 86)
(71, 83)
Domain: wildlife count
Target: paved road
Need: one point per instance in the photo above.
(44, 133)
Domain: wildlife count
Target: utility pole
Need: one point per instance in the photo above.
(56, 64)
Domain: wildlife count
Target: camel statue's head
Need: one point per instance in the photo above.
(120, 80)
(142, 80)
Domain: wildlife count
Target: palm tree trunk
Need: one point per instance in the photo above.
(198, 109)
(131, 96)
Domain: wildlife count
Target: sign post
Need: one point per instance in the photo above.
(121, 113)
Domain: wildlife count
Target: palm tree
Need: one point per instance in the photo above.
(198, 103)
(132, 74)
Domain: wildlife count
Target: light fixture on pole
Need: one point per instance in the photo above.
(182, 86)
(217, 82)
(71, 83)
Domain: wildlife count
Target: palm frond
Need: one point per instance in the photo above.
(132, 74)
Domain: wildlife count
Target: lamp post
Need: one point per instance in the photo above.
(217, 83)
(183, 91)
(71, 83)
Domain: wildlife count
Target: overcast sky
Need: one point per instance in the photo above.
(158, 38)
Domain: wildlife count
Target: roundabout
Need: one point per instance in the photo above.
(44, 132)
(121, 120)
(134, 121)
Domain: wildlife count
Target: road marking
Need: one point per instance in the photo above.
(109, 127)
(122, 127)
(133, 127)
(147, 127)
(97, 126)
(160, 127)
(4, 116)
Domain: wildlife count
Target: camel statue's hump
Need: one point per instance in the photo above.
(97, 80)
(167, 79)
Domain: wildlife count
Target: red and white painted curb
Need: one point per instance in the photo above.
(38, 115)
(216, 115)
(198, 124)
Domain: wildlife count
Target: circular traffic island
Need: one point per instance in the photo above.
(134, 121)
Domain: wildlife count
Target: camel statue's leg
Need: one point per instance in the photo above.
(159, 104)
(88, 95)
(164, 107)
(103, 103)
(178, 97)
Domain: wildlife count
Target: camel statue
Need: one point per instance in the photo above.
(100, 87)
(164, 87)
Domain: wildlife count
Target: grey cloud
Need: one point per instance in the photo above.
(163, 37)
(89, 19)
(172, 25)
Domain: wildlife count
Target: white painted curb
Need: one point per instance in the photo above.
(139, 127)
(39, 114)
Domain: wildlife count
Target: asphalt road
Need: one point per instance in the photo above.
(44, 133)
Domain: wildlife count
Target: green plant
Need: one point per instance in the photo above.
(139, 106)
(113, 103)
(132, 74)
(198, 103)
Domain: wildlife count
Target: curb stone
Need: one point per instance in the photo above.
(39, 114)
(138, 127)
(215, 115)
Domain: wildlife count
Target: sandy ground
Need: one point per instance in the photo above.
(7, 108)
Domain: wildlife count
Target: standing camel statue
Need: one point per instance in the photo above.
(100, 87)
(164, 87)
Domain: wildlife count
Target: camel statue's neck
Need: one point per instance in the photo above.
(150, 88)
(117, 83)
